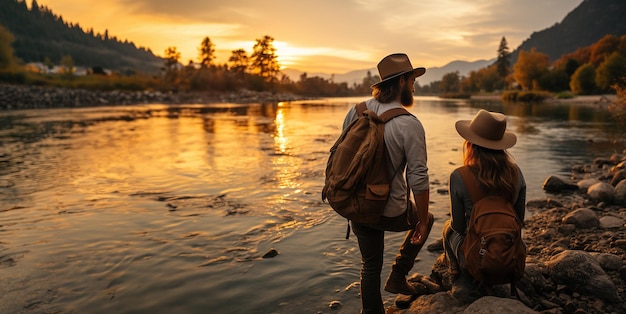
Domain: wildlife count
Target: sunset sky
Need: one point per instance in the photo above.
(323, 36)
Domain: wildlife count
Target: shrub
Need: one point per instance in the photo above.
(525, 96)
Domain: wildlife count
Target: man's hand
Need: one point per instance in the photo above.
(421, 232)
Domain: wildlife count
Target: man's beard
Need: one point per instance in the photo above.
(406, 96)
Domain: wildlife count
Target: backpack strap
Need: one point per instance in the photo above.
(392, 113)
(386, 116)
(360, 108)
(471, 184)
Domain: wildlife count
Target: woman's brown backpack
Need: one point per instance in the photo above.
(493, 250)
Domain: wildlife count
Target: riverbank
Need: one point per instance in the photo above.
(576, 254)
(592, 100)
(18, 97)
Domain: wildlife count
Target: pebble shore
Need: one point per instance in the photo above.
(18, 97)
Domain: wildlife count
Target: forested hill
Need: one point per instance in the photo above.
(41, 35)
(585, 25)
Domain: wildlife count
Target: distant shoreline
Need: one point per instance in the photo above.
(20, 97)
(584, 99)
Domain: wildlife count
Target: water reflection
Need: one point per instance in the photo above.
(157, 191)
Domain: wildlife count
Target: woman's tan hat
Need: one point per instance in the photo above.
(487, 129)
(395, 65)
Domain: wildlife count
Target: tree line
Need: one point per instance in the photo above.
(42, 36)
(594, 69)
(258, 71)
(588, 70)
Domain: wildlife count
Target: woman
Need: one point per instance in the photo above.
(484, 153)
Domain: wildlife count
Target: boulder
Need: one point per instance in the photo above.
(602, 192)
(620, 193)
(556, 184)
(495, 305)
(608, 261)
(582, 218)
(610, 222)
(579, 271)
(618, 176)
(584, 185)
(440, 302)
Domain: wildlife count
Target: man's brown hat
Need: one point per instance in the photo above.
(395, 65)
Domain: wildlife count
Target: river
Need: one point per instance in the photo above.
(170, 208)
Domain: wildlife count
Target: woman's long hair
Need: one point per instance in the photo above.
(495, 169)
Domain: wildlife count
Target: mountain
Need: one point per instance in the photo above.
(463, 67)
(431, 75)
(40, 36)
(583, 26)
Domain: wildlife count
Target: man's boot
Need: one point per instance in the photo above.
(397, 284)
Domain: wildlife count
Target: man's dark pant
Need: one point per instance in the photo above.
(371, 240)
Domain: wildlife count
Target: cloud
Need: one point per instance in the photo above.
(351, 33)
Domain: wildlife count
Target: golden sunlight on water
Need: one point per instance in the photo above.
(153, 208)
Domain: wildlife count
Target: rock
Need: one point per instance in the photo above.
(609, 222)
(556, 184)
(621, 165)
(440, 302)
(582, 218)
(271, 253)
(436, 246)
(542, 204)
(620, 243)
(334, 304)
(584, 185)
(620, 193)
(602, 192)
(566, 229)
(495, 305)
(465, 289)
(600, 162)
(534, 280)
(615, 158)
(608, 261)
(579, 271)
(618, 176)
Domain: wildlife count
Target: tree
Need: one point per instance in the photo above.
(239, 61)
(530, 66)
(171, 63)
(207, 52)
(611, 71)
(171, 58)
(503, 62)
(603, 48)
(264, 59)
(450, 82)
(67, 65)
(488, 79)
(6, 48)
(34, 7)
(583, 80)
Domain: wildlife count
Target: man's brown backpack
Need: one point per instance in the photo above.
(493, 250)
(357, 179)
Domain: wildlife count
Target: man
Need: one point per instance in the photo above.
(406, 147)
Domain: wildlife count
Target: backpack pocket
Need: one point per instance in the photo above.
(377, 192)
